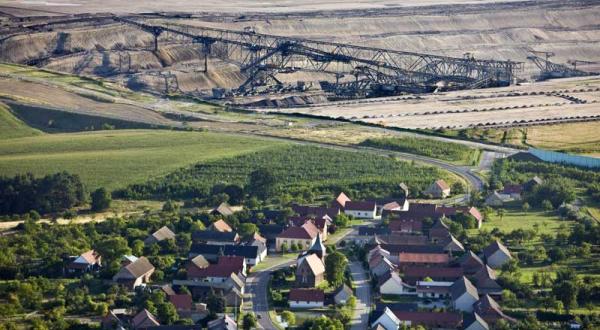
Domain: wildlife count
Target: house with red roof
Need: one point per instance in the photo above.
(430, 319)
(303, 236)
(86, 262)
(406, 225)
(340, 201)
(438, 189)
(407, 259)
(219, 272)
(306, 298)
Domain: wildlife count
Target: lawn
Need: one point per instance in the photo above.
(11, 127)
(517, 219)
(115, 159)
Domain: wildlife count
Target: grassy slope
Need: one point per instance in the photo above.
(11, 127)
(117, 158)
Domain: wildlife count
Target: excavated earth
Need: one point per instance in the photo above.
(508, 30)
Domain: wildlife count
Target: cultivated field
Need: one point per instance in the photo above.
(114, 159)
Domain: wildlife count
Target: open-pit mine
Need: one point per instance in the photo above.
(442, 64)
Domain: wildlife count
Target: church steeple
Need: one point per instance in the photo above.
(317, 247)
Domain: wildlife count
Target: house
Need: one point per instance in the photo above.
(260, 242)
(340, 201)
(387, 321)
(496, 255)
(231, 289)
(135, 273)
(401, 205)
(127, 259)
(306, 298)
(464, 294)
(451, 245)
(164, 233)
(342, 294)
(380, 265)
(439, 231)
(144, 319)
(215, 237)
(219, 272)
(490, 311)
(406, 259)
(321, 223)
(303, 236)
(220, 226)
(88, 261)
(378, 250)
(470, 263)
(404, 239)
(316, 211)
(367, 234)
(406, 225)
(438, 189)
(433, 289)
(414, 274)
(497, 199)
(390, 283)
(223, 210)
(310, 271)
(485, 281)
(199, 261)
(535, 181)
(361, 210)
(474, 322)
(513, 190)
(182, 302)
(252, 254)
(270, 232)
(223, 323)
(430, 319)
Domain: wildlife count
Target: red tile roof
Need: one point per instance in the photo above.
(431, 319)
(181, 301)
(307, 295)
(223, 268)
(407, 225)
(442, 184)
(424, 258)
(341, 200)
(296, 233)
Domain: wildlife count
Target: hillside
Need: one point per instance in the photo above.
(11, 127)
(114, 159)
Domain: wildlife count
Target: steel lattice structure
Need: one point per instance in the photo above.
(262, 56)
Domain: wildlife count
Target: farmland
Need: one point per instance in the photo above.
(297, 169)
(114, 159)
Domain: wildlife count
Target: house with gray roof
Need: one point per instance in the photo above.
(464, 294)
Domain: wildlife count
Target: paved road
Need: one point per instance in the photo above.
(363, 296)
(256, 291)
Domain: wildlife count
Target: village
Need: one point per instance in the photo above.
(417, 273)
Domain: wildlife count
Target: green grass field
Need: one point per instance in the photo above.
(11, 127)
(115, 159)
(516, 219)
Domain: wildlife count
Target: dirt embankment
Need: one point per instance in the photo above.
(502, 31)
